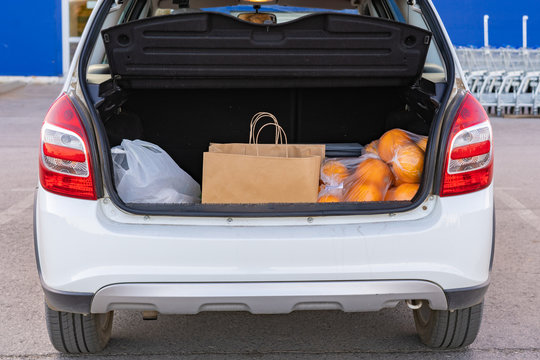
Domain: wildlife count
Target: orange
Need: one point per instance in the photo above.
(390, 142)
(371, 148)
(364, 192)
(398, 182)
(374, 171)
(328, 198)
(404, 192)
(408, 164)
(422, 143)
(333, 172)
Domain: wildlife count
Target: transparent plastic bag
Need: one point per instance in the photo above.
(369, 181)
(334, 171)
(389, 170)
(371, 148)
(407, 164)
(403, 151)
(145, 173)
(328, 193)
(364, 178)
(403, 192)
(387, 144)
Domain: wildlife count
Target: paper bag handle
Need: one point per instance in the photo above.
(279, 130)
(255, 119)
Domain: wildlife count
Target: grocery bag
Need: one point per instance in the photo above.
(145, 173)
(261, 173)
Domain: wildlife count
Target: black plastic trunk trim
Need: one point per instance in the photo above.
(451, 113)
(90, 133)
(101, 137)
(492, 257)
(269, 210)
(261, 210)
(435, 145)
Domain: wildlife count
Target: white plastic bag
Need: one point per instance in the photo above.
(145, 173)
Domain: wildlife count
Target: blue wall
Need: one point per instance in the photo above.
(464, 20)
(31, 31)
(31, 38)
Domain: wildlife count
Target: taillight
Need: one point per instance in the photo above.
(65, 166)
(469, 155)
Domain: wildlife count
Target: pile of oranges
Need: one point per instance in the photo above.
(390, 170)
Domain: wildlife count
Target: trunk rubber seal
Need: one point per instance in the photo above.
(445, 113)
(453, 108)
(91, 135)
(270, 210)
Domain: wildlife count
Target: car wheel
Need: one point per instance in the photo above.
(77, 333)
(448, 329)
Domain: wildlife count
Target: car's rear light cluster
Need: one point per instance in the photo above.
(469, 155)
(65, 166)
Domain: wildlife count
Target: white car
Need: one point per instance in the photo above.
(182, 74)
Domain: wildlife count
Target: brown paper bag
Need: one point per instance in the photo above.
(261, 173)
(275, 150)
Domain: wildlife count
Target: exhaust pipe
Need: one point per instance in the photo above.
(150, 315)
(418, 304)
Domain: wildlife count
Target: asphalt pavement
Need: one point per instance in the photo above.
(511, 322)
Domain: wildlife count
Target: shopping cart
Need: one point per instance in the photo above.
(527, 99)
(507, 93)
(489, 91)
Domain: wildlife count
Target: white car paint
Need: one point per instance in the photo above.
(85, 245)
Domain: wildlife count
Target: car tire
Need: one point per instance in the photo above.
(77, 333)
(448, 329)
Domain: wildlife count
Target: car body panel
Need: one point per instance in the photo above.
(81, 249)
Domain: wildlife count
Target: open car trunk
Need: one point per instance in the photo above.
(184, 122)
(185, 81)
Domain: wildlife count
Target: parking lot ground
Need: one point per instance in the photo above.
(511, 327)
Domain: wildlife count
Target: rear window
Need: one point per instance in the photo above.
(282, 13)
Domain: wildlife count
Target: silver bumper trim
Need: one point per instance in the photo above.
(267, 297)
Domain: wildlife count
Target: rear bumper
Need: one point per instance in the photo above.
(84, 247)
(264, 298)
